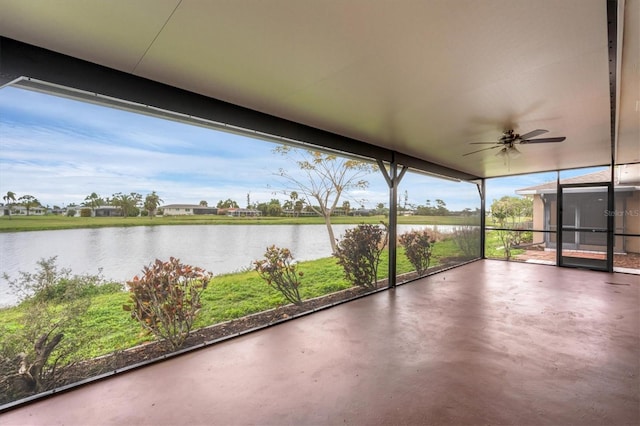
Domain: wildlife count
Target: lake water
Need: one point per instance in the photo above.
(122, 252)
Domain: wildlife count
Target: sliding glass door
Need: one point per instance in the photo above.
(586, 237)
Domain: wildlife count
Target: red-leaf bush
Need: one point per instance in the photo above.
(359, 253)
(280, 272)
(166, 299)
(418, 246)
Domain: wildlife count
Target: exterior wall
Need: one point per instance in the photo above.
(538, 219)
(177, 211)
(243, 212)
(21, 211)
(107, 212)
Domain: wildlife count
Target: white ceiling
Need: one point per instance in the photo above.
(420, 77)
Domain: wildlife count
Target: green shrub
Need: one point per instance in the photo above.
(279, 271)
(418, 246)
(71, 213)
(467, 239)
(166, 299)
(52, 284)
(359, 253)
(31, 356)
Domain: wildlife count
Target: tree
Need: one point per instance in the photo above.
(29, 201)
(128, 203)
(227, 204)
(441, 209)
(323, 178)
(93, 201)
(298, 207)
(274, 208)
(508, 214)
(152, 201)
(203, 203)
(346, 206)
(8, 199)
(293, 195)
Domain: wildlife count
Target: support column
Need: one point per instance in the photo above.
(483, 217)
(393, 180)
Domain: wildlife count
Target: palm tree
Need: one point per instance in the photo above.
(8, 199)
(294, 198)
(346, 206)
(152, 201)
(93, 201)
(29, 201)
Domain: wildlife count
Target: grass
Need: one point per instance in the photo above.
(52, 222)
(494, 246)
(106, 327)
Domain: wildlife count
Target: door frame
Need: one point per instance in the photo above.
(565, 261)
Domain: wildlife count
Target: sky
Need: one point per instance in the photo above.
(61, 150)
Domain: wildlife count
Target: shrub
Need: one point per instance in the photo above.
(134, 212)
(280, 273)
(467, 239)
(359, 253)
(52, 284)
(418, 246)
(85, 212)
(71, 213)
(31, 356)
(166, 299)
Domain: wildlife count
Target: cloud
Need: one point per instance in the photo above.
(61, 150)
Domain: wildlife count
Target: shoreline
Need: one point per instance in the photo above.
(52, 223)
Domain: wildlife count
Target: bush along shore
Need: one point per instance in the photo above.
(68, 328)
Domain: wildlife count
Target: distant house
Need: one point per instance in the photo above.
(361, 212)
(586, 207)
(107, 211)
(237, 212)
(17, 210)
(187, 210)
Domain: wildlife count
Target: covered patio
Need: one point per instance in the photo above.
(486, 343)
(413, 85)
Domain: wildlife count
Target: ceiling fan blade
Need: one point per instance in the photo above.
(533, 134)
(543, 140)
(483, 149)
(482, 143)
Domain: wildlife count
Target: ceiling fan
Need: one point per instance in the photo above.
(509, 139)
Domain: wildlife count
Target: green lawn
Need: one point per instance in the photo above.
(106, 327)
(494, 246)
(50, 222)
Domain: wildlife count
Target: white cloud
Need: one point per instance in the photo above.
(61, 150)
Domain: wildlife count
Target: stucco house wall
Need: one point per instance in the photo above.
(626, 212)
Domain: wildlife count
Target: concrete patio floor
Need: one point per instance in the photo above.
(490, 342)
